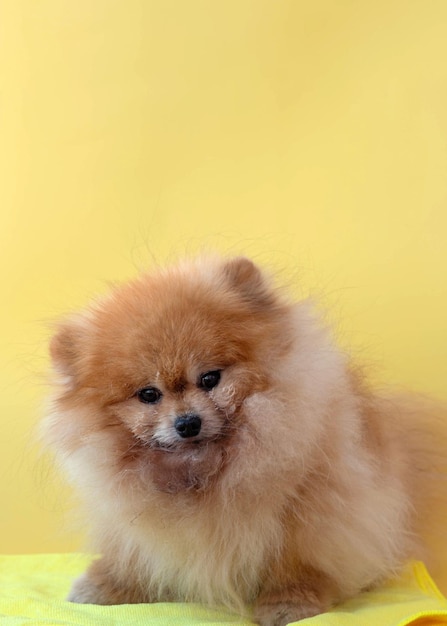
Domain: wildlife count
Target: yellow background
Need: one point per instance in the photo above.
(311, 135)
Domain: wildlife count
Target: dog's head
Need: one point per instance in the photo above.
(163, 365)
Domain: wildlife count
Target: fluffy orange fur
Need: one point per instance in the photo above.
(301, 488)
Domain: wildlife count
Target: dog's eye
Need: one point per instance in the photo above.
(209, 380)
(149, 395)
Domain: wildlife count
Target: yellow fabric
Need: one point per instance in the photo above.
(33, 587)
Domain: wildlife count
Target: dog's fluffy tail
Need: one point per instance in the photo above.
(420, 424)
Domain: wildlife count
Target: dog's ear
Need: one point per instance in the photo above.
(247, 278)
(66, 346)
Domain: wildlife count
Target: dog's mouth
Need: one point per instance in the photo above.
(185, 446)
(182, 467)
(187, 464)
(175, 446)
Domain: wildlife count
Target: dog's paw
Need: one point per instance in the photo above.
(101, 584)
(283, 613)
(84, 591)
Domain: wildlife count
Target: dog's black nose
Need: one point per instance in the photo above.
(188, 425)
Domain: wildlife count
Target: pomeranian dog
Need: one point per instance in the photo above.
(227, 452)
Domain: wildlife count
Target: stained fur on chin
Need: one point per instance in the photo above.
(301, 489)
